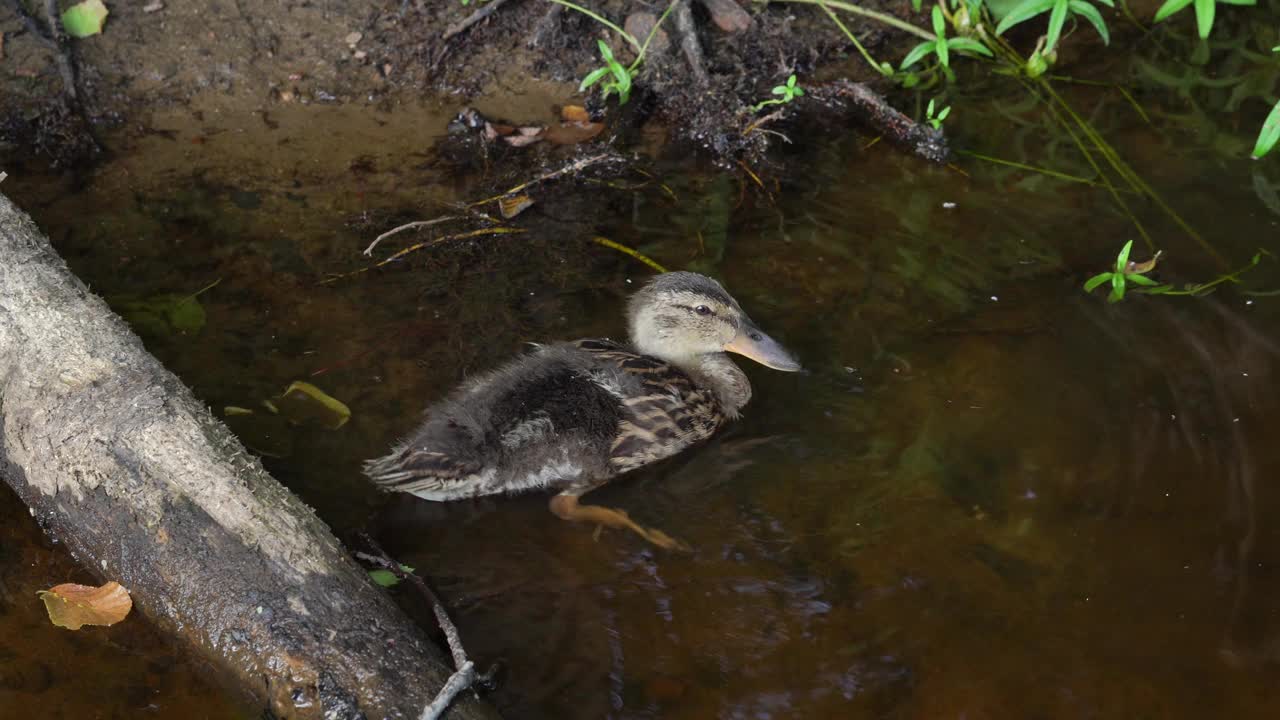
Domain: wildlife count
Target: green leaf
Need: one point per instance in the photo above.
(593, 77)
(1170, 7)
(1096, 280)
(605, 52)
(1108, 3)
(186, 315)
(1057, 18)
(780, 90)
(304, 403)
(1023, 12)
(928, 112)
(1090, 13)
(798, 92)
(1249, 3)
(968, 45)
(1269, 134)
(1141, 280)
(386, 578)
(84, 19)
(622, 82)
(1122, 260)
(1117, 288)
(1204, 17)
(940, 46)
(945, 112)
(918, 52)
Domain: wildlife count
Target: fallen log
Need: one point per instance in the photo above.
(117, 459)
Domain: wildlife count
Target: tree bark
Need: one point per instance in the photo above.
(116, 457)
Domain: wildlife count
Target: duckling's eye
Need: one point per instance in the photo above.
(702, 310)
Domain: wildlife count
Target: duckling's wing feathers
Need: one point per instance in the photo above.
(542, 420)
(665, 411)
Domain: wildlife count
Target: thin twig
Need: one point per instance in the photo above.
(483, 12)
(502, 230)
(761, 121)
(450, 630)
(460, 680)
(407, 226)
(572, 167)
(465, 675)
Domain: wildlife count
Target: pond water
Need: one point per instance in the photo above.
(991, 496)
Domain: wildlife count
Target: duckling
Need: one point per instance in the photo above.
(571, 416)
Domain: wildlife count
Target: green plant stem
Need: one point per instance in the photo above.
(606, 22)
(1070, 120)
(852, 38)
(652, 32)
(203, 290)
(1031, 168)
(1119, 88)
(1232, 277)
(880, 17)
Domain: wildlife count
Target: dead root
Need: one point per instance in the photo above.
(873, 111)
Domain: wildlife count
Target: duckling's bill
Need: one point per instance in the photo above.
(752, 342)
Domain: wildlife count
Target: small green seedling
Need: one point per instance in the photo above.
(942, 46)
(935, 121)
(1270, 132)
(1204, 11)
(1058, 11)
(618, 80)
(789, 92)
(1125, 273)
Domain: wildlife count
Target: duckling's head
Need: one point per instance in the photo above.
(682, 316)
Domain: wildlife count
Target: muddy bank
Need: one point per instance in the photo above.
(223, 57)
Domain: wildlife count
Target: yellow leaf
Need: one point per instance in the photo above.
(304, 402)
(72, 606)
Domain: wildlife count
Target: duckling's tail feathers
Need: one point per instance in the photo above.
(427, 474)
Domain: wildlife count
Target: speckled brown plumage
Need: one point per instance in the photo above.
(571, 416)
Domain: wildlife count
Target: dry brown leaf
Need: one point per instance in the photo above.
(573, 133)
(512, 205)
(72, 606)
(1144, 267)
(574, 114)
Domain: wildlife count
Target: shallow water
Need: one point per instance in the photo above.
(991, 496)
